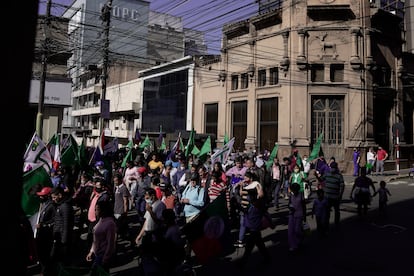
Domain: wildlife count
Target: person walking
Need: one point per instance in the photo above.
(320, 210)
(44, 229)
(104, 239)
(297, 216)
(253, 222)
(361, 194)
(334, 189)
(383, 194)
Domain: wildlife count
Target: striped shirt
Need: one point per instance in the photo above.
(334, 185)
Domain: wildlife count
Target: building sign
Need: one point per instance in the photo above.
(56, 93)
(105, 114)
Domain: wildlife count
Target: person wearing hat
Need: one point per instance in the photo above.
(44, 229)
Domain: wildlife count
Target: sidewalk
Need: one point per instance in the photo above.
(387, 176)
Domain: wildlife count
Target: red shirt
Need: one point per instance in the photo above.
(381, 154)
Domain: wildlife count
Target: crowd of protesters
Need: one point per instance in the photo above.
(168, 194)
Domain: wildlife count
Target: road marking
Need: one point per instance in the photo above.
(397, 228)
(397, 182)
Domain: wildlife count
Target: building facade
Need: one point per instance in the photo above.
(305, 68)
(50, 47)
(138, 39)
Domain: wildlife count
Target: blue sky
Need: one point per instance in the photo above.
(203, 15)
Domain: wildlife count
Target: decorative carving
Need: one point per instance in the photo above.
(328, 49)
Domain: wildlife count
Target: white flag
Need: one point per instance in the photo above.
(223, 154)
(37, 154)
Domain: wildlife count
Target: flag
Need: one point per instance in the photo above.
(33, 181)
(299, 161)
(176, 147)
(195, 151)
(96, 156)
(206, 148)
(137, 137)
(316, 148)
(163, 146)
(223, 154)
(190, 143)
(145, 143)
(273, 154)
(209, 232)
(37, 154)
(70, 155)
(83, 159)
(226, 138)
(111, 147)
(128, 156)
(101, 143)
(54, 149)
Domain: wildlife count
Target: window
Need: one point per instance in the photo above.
(274, 76)
(211, 118)
(317, 73)
(268, 123)
(327, 117)
(234, 82)
(337, 73)
(239, 124)
(244, 81)
(261, 77)
(382, 76)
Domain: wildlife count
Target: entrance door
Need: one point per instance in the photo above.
(327, 117)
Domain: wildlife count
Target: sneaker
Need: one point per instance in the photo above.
(239, 244)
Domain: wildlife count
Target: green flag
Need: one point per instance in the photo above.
(190, 143)
(33, 181)
(273, 154)
(316, 148)
(226, 138)
(206, 148)
(70, 155)
(163, 145)
(145, 143)
(195, 151)
(128, 156)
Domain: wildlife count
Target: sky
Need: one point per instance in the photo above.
(203, 15)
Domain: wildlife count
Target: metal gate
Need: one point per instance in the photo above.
(327, 117)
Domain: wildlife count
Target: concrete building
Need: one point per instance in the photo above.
(138, 39)
(51, 40)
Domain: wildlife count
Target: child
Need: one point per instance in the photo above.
(383, 194)
(320, 209)
(297, 215)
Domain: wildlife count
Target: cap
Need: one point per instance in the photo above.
(44, 191)
(142, 170)
(99, 164)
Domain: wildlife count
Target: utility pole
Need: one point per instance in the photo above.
(45, 52)
(106, 18)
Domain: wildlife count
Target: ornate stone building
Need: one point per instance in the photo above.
(304, 68)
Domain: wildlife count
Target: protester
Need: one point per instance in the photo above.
(103, 247)
(44, 230)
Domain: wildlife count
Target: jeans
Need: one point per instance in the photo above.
(242, 230)
(276, 192)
